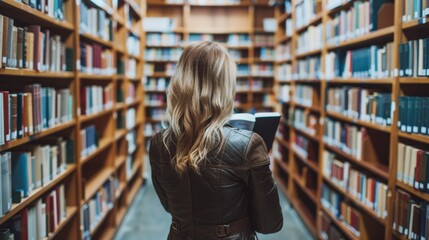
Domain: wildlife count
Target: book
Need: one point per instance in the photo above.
(265, 124)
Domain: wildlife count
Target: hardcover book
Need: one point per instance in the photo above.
(264, 124)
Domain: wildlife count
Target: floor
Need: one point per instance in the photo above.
(147, 220)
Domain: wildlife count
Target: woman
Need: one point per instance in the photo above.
(214, 180)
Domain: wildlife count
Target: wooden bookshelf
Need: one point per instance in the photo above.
(289, 164)
(102, 164)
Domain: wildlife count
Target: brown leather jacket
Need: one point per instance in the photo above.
(235, 185)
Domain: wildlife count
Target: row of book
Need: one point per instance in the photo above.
(283, 52)
(353, 219)
(30, 47)
(35, 110)
(163, 54)
(125, 94)
(242, 85)
(310, 40)
(150, 69)
(133, 45)
(131, 68)
(413, 167)
(263, 40)
(131, 119)
(155, 99)
(39, 220)
(303, 95)
(369, 62)
(156, 113)
(238, 40)
(301, 146)
(95, 99)
(308, 68)
(164, 39)
(306, 10)
(284, 72)
(52, 8)
(267, 54)
(96, 60)
(349, 24)
(262, 69)
(413, 114)
(346, 137)
(27, 170)
(155, 84)
(92, 212)
(236, 54)
(159, 24)
(411, 217)
(89, 140)
(368, 191)
(364, 104)
(284, 93)
(151, 128)
(414, 9)
(243, 70)
(305, 121)
(413, 58)
(328, 229)
(95, 21)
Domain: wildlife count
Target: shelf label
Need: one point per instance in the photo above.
(395, 72)
(78, 64)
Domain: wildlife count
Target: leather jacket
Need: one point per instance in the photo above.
(234, 184)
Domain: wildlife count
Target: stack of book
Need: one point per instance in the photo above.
(360, 104)
(349, 138)
(413, 114)
(413, 167)
(95, 99)
(369, 62)
(306, 10)
(284, 72)
(304, 121)
(414, 9)
(96, 22)
(263, 40)
(133, 45)
(193, 37)
(331, 200)
(263, 70)
(238, 40)
(30, 47)
(283, 52)
(284, 93)
(352, 218)
(89, 138)
(96, 60)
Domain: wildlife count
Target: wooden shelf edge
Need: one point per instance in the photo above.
(384, 32)
(413, 191)
(415, 137)
(341, 226)
(37, 194)
(35, 74)
(359, 122)
(37, 136)
(104, 143)
(71, 212)
(96, 39)
(96, 183)
(360, 81)
(86, 118)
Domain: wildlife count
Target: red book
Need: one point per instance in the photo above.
(24, 224)
(6, 115)
(59, 213)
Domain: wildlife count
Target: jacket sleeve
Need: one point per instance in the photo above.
(154, 156)
(265, 210)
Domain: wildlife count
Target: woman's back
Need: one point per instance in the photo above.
(226, 190)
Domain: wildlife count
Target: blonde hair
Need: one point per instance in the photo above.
(200, 101)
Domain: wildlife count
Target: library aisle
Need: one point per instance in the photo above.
(147, 218)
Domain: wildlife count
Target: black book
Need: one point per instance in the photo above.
(69, 59)
(70, 148)
(264, 124)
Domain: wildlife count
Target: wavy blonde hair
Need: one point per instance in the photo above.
(200, 101)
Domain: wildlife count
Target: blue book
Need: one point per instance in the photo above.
(43, 110)
(20, 173)
(48, 107)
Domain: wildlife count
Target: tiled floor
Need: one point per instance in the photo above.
(147, 220)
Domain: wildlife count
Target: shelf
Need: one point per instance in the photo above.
(349, 234)
(360, 81)
(134, 190)
(311, 194)
(307, 162)
(120, 105)
(71, 212)
(305, 215)
(147, 90)
(133, 102)
(414, 137)
(96, 77)
(108, 233)
(101, 5)
(135, 8)
(311, 108)
(37, 136)
(264, 90)
(413, 191)
(100, 223)
(366, 124)
(282, 164)
(376, 35)
(97, 39)
(166, 4)
(159, 75)
(104, 143)
(25, 13)
(86, 118)
(316, 19)
(415, 24)
(284, 39)
(377, 169)
(220, 31)
(96, 182)
(120, 190)
(283, 61)
(164, 46)
(160, 61)
(120, 215)
(136, 168)
(120, 160)
(220, 5)
(283, 142)
(308, 81)
(414, 80)
(36, 194)
(120, 133)
(309, 53)
(356, 202)
(284, 17)
(258, 60)
(176, 30)
(35, 74)
(340, 7)
(306, 134)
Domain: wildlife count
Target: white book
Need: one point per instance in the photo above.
(54, 162)
(55, 212)
(1, 187)
(32, 224)
(38, 156)
(41, 219)
(62, 202)
(420, 58)
(58, 115)
(400, 162)
(407, 164)
(413, 166)
(45, 165)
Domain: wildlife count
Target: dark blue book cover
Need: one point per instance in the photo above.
(20, 173)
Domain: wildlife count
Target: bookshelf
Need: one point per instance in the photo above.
(326, 143)
(99, 69)
(188, 21)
